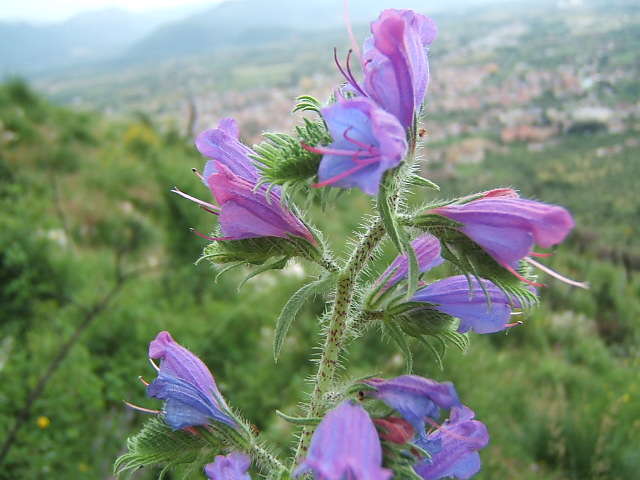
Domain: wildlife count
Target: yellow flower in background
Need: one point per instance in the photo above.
(43, 422)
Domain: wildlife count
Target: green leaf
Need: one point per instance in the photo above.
(396, 334)
(158, 444)
(387, 214)
(434, 350)
(414, 268)
(225, 269)
(278, 264)
(419, 181)
(292, 307)
(299, 420)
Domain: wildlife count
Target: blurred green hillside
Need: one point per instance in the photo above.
(85, 202)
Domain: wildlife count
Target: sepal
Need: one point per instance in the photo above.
(282, 159)
(158, 444)
(257, 251)
(471, 260)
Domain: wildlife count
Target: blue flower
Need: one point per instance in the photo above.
(233, 466)
(345, 446)
(367, 141)
(415, 398)
(454, 447)
(427, 249)
(483, 310)
(186, 385)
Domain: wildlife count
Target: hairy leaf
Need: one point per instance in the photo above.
(158, 444)
(292, 307)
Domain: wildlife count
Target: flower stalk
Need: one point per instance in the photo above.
(337, 329)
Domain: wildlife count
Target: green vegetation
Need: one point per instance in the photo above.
(84, 201)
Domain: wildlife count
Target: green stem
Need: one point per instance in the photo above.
(265, 460)
(337, 329)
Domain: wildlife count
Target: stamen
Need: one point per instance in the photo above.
(346, 173)
(206, 237)
(154, 365)
(144, 382)
(352, 37)
(514, 324)
(191, 430)
(208, 210)
(521, 278)
(195, 200)
(195, 170)
(445, 431)
(555, 274)
(370, 148)
(337, 62)
(541, 255)
(141, 409)
(353, 80)
(348, 76)
(334, 151)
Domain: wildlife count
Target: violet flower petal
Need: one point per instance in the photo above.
(427, 249)
(507, 227)
(233, 466)
(186, 384)
(177, 361)
(460, 439)
(247, 213)
(395, 62)
(345, 445)
(453, 296)
(415, 398)
(367, 141)
(222, 145)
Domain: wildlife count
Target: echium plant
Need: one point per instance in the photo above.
(372, 428)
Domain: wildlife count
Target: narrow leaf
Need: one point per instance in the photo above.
(291, 309)
(414, 268)
(278, 264)
(400, 340)
(387, 214)
(299, 420)
(423, 182)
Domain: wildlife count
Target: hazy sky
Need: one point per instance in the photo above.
(54, 10)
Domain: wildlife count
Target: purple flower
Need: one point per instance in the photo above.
(186, 385)
(222, 145)
(244, 210)
(249, 213)
(415, 398)
(345, 445)
(485, 310)
(454, 447)
(394, 62)
(367, 141)
(233, 466)
(427, 249)
(507, 228)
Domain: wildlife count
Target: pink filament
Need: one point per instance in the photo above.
(346, 173)
(555, 274)
(141, 409)
(521, 278)
(207, 206)
(334, 151)
(541, 255)
(445, 431)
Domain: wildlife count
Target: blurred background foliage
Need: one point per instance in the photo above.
(84, 199)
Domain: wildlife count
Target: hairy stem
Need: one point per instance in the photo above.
(266, 460)
(337, 329)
